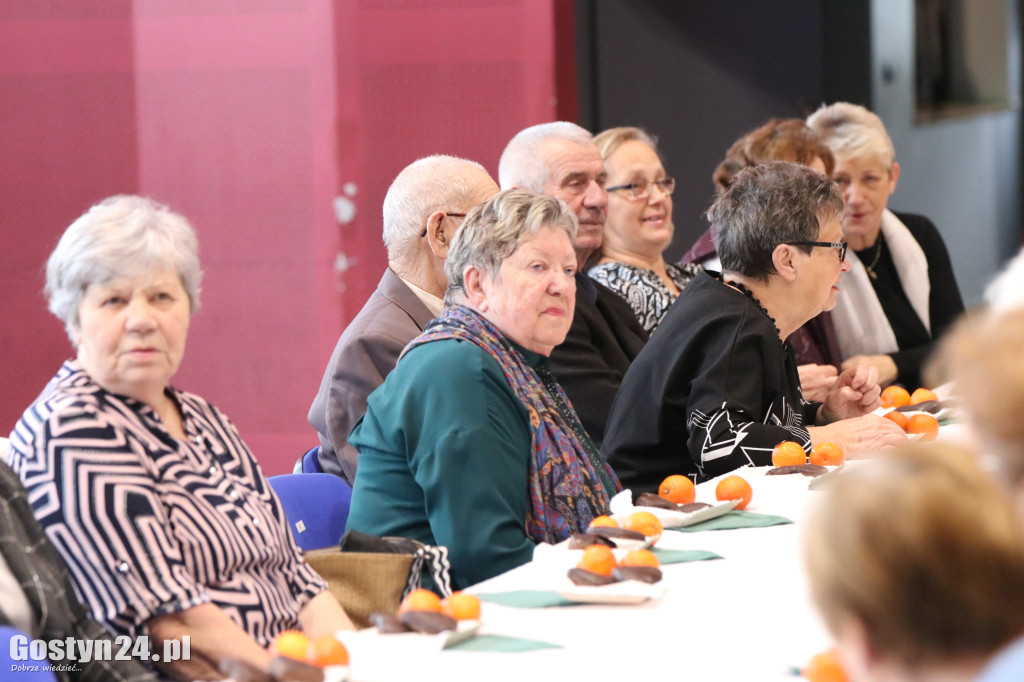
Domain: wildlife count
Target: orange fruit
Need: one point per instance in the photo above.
(605, 521)
(895, 396)
(290, 644)
(898, 417)
(824, 667)
(461, 606)
(921, 395)
(644, 522)
(640, 557)
(924, 424)
(827, 455)
(678, 488)
(420, 600)
(325, 650)
(597, 559)
(788, 454)
(734, 488)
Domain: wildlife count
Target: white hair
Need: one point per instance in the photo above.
(433, 183)
(1006, 292)
(853, 132)
(121, 236)
(521, 163)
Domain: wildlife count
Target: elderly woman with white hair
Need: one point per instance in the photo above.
(900, 294)
(149, 494)
(470, 443)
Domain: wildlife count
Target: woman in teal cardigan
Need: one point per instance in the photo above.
(470, 443)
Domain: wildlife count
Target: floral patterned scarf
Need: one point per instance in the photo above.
(569, 482)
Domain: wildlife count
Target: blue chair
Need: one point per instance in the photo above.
(32, 671)
(309, 463)
(316, 506)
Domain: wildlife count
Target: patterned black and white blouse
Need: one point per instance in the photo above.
(646, 294)
(150, 525)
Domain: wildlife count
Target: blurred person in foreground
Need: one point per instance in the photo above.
(916, 562)
(36, 595)
(560, 159)
(470, 443)
(814, 344)
(900, 294)
(717, 387)
(149, 494)
(423, 209)
(639, 227)
(984, 357)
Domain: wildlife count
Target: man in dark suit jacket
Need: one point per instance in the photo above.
(45, 606)
(423, 209)
(561, 159)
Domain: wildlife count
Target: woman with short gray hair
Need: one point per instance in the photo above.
(470, 443)
(717, 387)
(149, 494)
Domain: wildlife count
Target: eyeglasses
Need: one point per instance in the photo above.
(641, 189)
(450, 215)
(842, 246)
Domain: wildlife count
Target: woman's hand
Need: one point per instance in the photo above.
(815, 380)
(885, 365)
(861, 436)
(214, 637)
(853, 394)
(323, 615)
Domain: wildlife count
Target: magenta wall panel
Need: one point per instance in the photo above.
(275, 126)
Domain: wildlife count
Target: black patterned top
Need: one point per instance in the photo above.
(646, 294)
(150, 525)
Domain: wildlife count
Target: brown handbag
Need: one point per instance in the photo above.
(363, 582)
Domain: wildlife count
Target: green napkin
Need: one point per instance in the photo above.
(678, 556)
(527, 599)
(737, 519)
(501, 643)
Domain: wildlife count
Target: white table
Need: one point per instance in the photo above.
(745, 617)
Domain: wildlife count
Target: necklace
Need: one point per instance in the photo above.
(750, 294)
(874, 261)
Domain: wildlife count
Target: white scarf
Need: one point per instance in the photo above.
(861, 325)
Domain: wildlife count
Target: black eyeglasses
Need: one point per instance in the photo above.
(641, 189)
(450, 215)
(842, 246)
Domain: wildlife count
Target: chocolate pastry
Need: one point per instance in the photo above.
(242, 671)
(645, 574)
(616, 533)
(931, 406)
(387, 623)
(581, 576)
(693, 506)
(286, 669)
(656, 501)
(805, 469)
(428, 622)
(583, 540)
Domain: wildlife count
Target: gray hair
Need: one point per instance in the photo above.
(433, 183)
(767, 205)
(521, 163)
(853, 132)
(608, 141)
(496, 228)
(121, 236)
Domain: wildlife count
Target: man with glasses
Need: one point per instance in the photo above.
(423, 209)
(717, 387)
(560, 159)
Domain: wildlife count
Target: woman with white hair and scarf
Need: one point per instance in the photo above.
(900, 294)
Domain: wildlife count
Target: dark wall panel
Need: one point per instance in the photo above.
(698, 75)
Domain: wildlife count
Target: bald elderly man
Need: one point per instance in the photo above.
(423, 209)
(561, 159)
